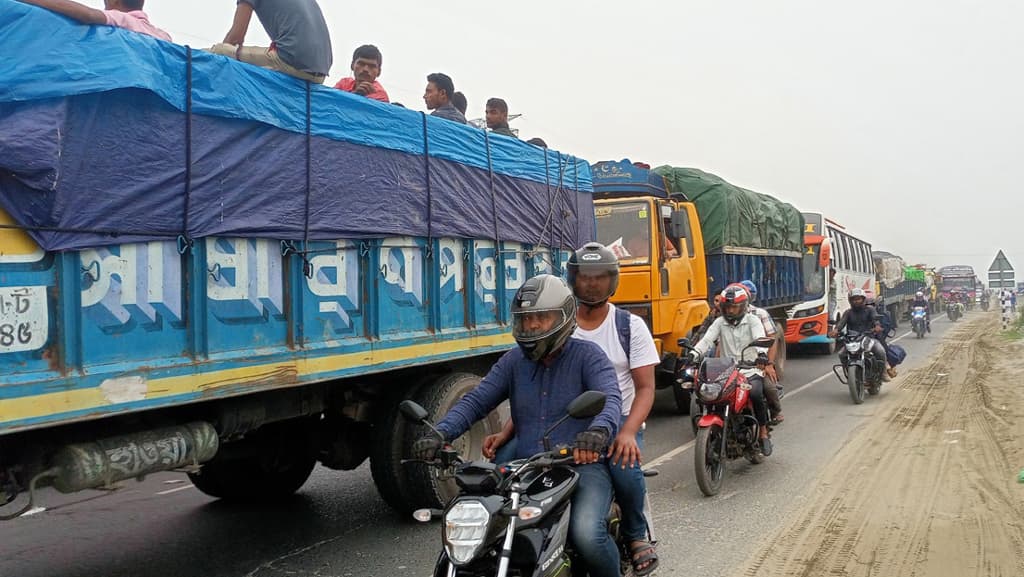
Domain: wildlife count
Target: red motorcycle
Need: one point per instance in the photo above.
(727, 428)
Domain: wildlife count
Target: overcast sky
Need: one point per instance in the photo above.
(903, 120)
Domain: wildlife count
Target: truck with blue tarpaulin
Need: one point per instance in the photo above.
(211, 267)
(682, 235)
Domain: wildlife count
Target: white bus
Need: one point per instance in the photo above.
(835, 263)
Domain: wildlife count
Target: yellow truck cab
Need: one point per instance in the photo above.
(663, 274)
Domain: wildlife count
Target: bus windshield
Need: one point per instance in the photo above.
(626, 230)
(962, 283)
(814, 275)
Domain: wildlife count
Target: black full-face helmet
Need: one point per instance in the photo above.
(593, 259)
(543, 315)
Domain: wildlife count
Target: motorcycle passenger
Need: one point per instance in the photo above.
(593, 273)
(861, 319)
(540, 378)
(771, 383)
(884, 320)
(921, 301)
(733, 331)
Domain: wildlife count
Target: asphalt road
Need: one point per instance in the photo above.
(338, 526)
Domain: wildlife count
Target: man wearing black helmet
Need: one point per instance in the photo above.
(862, 319)
(593, 273)
(540, 378)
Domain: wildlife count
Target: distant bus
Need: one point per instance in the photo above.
(835, 262)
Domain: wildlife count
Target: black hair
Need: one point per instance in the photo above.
(537, 142)
(442, 82)
(369, 52)
(459, 101)
(497, 103)
(133, 4)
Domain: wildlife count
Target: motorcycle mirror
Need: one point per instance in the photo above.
(587, 405)
(683, 343)
(764, 342)
(413, 412)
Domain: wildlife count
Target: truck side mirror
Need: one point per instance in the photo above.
(679, 225)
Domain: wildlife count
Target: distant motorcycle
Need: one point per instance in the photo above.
(984, 305)
(919, 321)
(954, 311)
(862, 371)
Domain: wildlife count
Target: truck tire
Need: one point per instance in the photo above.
(682, 397)
(427, 486)
(389, 445)
(274, 462)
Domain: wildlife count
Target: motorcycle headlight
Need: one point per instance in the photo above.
(853, 347)
(465, 526)
(710, 391)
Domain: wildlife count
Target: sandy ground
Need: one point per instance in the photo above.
(929, 487)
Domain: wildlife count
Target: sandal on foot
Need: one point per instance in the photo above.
(777, 420)
(643, 555)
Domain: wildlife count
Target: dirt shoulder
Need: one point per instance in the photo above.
(929, 488)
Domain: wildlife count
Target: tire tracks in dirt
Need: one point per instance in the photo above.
(926, 489)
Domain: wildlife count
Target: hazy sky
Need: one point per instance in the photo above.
(903, 120)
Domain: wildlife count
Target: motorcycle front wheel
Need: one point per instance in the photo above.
(856, 385)
(709, 462)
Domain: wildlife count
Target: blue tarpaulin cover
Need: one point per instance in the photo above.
(95, 148)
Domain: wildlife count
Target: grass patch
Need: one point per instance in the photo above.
(1016, 331)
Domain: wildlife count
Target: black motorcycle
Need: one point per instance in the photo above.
(862, 371)
(512, 519)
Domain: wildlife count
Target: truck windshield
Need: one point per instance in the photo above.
(626, 230)
(814, 275)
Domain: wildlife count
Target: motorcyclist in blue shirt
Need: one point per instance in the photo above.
(540, 378)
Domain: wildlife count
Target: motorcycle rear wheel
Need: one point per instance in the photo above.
(856, 384)
(709, 462)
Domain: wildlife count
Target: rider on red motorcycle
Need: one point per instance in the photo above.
(733, 331)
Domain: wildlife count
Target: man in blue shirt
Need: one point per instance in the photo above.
(540, 378)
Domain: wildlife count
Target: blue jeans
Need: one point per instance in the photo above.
(588, 521)
(630, 490)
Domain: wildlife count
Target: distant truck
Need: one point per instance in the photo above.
(896, 284)
(683, 235)
(960, 278)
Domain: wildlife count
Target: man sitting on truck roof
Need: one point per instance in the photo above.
(125, 14)
(437, 97)
(496, 114)
(300, 42)
(367, 62)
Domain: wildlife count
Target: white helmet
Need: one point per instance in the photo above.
(920, 295)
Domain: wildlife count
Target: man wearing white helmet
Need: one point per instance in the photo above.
(922, 301)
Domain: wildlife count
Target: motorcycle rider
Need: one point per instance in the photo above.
(884, 320)
(593, 273)
(540, 378)
(922, 301)
(733, 331)
(862, 319)
(771, 383)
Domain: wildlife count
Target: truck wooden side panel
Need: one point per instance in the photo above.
(133, 327)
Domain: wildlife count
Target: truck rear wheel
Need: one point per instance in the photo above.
(273, 462)
(388, 447)
(427, 486)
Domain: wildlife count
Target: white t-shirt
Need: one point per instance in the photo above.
(642, 351)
